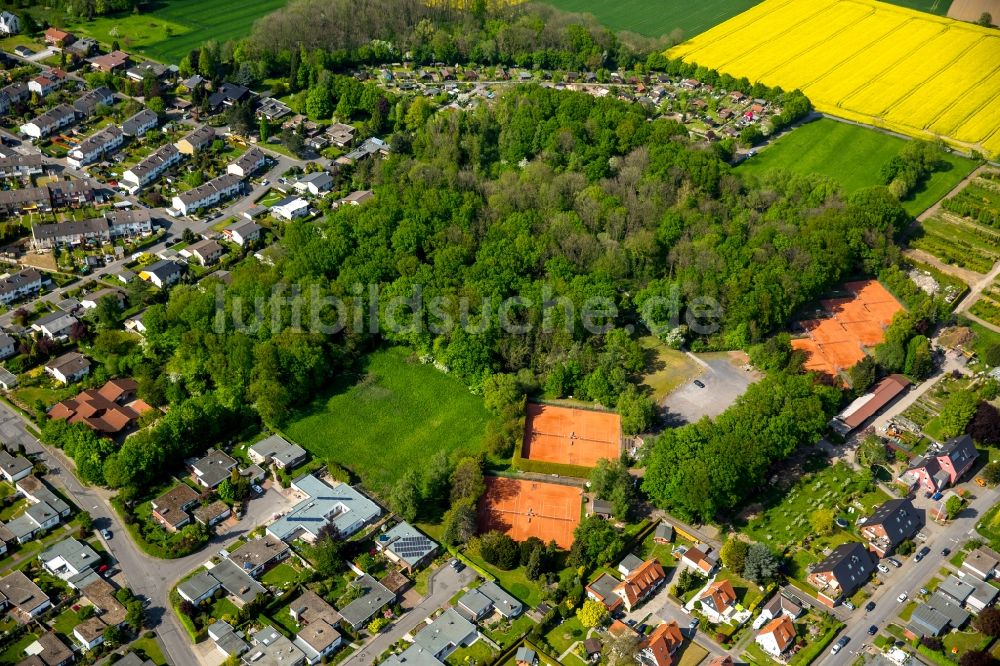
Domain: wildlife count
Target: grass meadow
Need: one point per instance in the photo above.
(851, 155)
(390, 418)
(653, 19)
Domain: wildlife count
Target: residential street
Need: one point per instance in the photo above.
(442, 586)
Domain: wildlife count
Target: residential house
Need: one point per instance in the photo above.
(278, 451)
(171, 508)
(65, 193)
(271, 109)
(81, 49)
(133, 659)
(45, 198)
(8, 345)
(700, 559)
(718, 601)
(10, 24)
(258, 555)
(48, 122)
(374, 597)
(341, 135)
(70, 234)
(271, 648)
(213, 469)
(309, 607)
(937, 615)
(114, 61)
(58, 38)
(87, 103)
(248, 163)
(603, 589)
(228, 94)
(22, 166)
(208, 194)
(242, 233)
(14, 468)
(109, 410)
(777, 637)
(842, 572)
(129, 223)
(212, 514)
(227, 640)
(27, 599)
(237, 583)
(664, 533)
(406, 546)
(163, 273)
(207, 252)
(448, 632)
(370, 147)
(142, 122)
(942, 465)
(193, 82)
(347, 509)
(72, 561)
(15, 93)
(152, 166)
(91, 300)
(48, 650)
(317, 640)
(47, 83)
(601, 509)
(984, 594)
(355, 198)
(100, 593)
(255, 212)
(629, 563)
(640, 583)
(55, 325)
(199, 587)
(525, 656)
(8, 380)
(982, 563)
(890, 524)
(290, 208)
(95, 146)
(195, 140)
(315, 183)
(149, 68)
(24, 283)
(37, 518)
(779, 606)
(659, 647)
(68, 368)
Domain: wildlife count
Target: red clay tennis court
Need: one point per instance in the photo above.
(571, 436)
(854, 323)
(524, 509)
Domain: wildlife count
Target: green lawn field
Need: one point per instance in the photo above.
(851, 155)
(660, 17)
(395, 415)
(171, 28)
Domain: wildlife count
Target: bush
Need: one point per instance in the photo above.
(499, 550)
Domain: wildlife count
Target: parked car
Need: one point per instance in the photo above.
(872, 630)
(922, 553)
(945, 552)
(257, 489)
(924, 591)
(921, 536)
(839, 645)
(884, 569)
(848, 605)
(106, 533)
(894, 562)
(699, 383)
(870, 606)
(903, 596)
(693, 624)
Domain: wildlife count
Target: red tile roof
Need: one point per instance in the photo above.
(638, 583)
(99, 411)
(662, 643)
(721, 594)
(783, 630)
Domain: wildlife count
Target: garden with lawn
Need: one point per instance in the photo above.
(388, 417)
(852, 155)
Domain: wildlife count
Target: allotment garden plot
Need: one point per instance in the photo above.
(867, 61)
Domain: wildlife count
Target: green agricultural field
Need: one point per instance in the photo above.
(173, 28)
(852, 155)
(392, 416)
(652, 18)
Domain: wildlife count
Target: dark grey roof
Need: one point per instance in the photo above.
(132, 125)
(374, 598)
(945, 605)
(88, 101)
(956, 588)
(960, 450)
(13, 465)
(163, 269)
(664, 531)
(94, 225)
(898, 518)
(926, 621)
(850, 563)
(237, 582)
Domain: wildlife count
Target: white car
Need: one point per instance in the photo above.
(902, 597)
(884, 569)
(257, 489)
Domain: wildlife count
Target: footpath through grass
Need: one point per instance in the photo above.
(852, 155)
(390, 418)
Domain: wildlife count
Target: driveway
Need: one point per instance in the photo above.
(442, 585)
(725, 378)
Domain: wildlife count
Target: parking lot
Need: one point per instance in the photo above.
(724, 378)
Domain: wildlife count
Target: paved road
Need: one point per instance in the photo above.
(912, 575)
(442, 586)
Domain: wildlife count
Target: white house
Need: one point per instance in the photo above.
(68, 368)
(55, 326)
(247, 163)
(93, 147)
(19, 285)
(8, 346)
(207, 194)
(54, 119)
(206, 251)
(242, 233)
(9, 23)
(140, 123)
(290, 208)
(777, 636)
(162, 274)
(315, 183)
(152, 166)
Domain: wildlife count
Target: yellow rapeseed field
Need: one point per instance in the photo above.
(880, 64)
